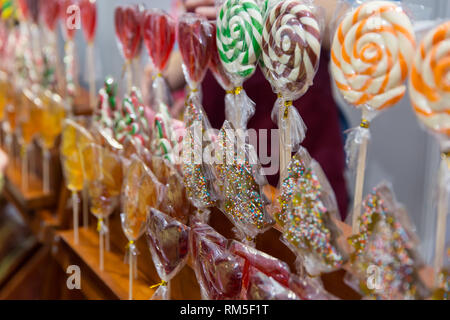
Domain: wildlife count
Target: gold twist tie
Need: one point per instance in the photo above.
(129, 244)
(238, 90)
(99, 224)
(365, 124)
(158, 75)
(161, 284)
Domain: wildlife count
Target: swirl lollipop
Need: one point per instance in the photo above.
(429, 88)
(370, 60)
(291, 52)
(239, 36)
(159, 37)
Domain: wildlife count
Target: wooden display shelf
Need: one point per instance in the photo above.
(33, 197)
(112, 283)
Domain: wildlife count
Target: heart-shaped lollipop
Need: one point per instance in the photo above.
(195, 39)
(128, 30)
(68, 18)
(23, 6)
(89, 18)
(168, 240)
(50, 13)
(159, 36)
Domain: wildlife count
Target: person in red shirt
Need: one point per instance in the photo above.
(324, 138)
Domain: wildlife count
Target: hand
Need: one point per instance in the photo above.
(203, 7)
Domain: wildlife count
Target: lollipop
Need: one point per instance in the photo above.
(239, 36)
(290, 52)
(128, 22)
(69, 31)
(219, 272)
(387, 242)
(159, 36)
(370, 59)
(141, 191)
(195, 39)
(429, 90)
(168, 240)
(309, 228)
(428, 82)
(88, 10)
(240, 185)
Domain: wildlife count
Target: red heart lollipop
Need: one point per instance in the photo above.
(23, 5)
(68, 18)
(33, 9)
(50, 13)
(216, 65)
(128, 30)
(218, 271)
(168, 240)
(195, 39)
(118, 23)
(159, 36)
(89, 18)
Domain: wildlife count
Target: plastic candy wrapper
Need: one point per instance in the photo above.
(371, 56)
(175, 202)
(128, 25)
(291, 44)
(309, 229)
(195, 40)
(266, 278)
(218, 272)
(197, 175)
(295, 171)
(168, 240)
(387, 244)
(239, 38)
(238, 173)
(133, 123)
(159, 36)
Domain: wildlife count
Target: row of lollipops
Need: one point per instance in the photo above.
(284, 38)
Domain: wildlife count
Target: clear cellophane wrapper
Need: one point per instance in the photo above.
(308, 213)
(387, 245)
(197, 175)
(265, 277)
(218, 272)
(168, 240)
(140, 192)
(291, 45)
(175, 201)
(239, 182)
(158, 30)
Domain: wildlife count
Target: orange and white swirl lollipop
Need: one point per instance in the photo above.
(429, 81)
(372, 54)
